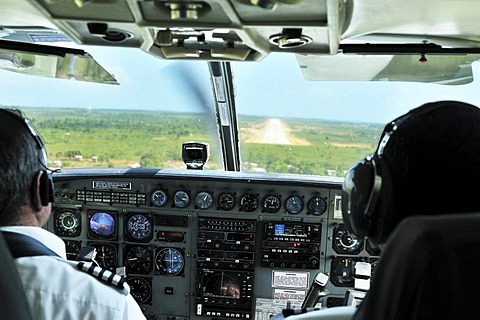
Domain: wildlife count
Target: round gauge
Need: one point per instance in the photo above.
(169, 261)
(140, 289)
(203, 200)
(294, 204)
(342, 272)
(138, 259)
(181, 199)
(102, 225)
(346, 242)
(249, 202)
(226, 201)
(106, 255)
(317, 206)
(67, 223)
(271, 203)
(159, 198)
(139, 227)
(73, 249)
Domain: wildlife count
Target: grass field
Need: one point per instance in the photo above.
(126, 138)
(325, 148)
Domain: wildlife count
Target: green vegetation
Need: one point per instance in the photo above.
(114, 138)
(319, 147)
(126, 138)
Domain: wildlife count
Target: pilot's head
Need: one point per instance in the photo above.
(427, 162)
(25, 185)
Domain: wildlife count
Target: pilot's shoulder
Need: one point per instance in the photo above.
(103, 275)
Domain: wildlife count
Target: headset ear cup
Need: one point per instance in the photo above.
(357, 189)
(382, 216)
(46, 188)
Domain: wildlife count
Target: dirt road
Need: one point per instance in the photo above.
(275, 132)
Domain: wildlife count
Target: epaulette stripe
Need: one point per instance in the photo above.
(101, 273)
(110, 279)
(121, 282)
(91, 269)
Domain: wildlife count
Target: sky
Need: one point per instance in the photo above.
(273, 87)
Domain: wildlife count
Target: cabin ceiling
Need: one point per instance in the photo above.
(248, 30)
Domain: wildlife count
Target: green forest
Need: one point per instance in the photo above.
(130, 138)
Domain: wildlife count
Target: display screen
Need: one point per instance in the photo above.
(222, 284)
(290, 230)
(195, 153)
(279, 229)
(102, 224)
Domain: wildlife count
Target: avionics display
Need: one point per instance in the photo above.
(291, 245)
(223, 292)
(102, 225)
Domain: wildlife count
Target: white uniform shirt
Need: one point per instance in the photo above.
(57, 290)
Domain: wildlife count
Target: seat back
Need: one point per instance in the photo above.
(14, 304)
(428, 270)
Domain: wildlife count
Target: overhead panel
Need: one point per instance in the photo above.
(112, 10)
(239, 30)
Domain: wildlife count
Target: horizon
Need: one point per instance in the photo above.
(261, 89)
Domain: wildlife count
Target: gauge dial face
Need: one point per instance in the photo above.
(138, 259)
(342, 272)
(181, 199)
(346, 242)
(249, 202)
(317, 206)
(159, 198)
(67, 223)
(226, 201)
(141, 289)
(271, 203)
(169, 261)
(139, 227)
(203, 200)
(294, 204)
(73, 249)
(106, 255)
(102, 225)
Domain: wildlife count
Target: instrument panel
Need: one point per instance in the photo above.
(210, 245)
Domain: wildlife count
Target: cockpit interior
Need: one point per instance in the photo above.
(200, 146)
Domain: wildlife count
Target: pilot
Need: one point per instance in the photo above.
(55, 287)
(422, 163)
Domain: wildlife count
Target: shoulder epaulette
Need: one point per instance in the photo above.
(103, 275)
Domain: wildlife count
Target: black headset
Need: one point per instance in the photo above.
(46, 181)
(367, 193)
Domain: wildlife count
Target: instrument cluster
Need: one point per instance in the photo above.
(196, 244)
(245, 202)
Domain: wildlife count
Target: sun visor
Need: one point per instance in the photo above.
(453, 69)
(52, 62)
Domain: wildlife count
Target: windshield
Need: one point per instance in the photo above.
(286, 124)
